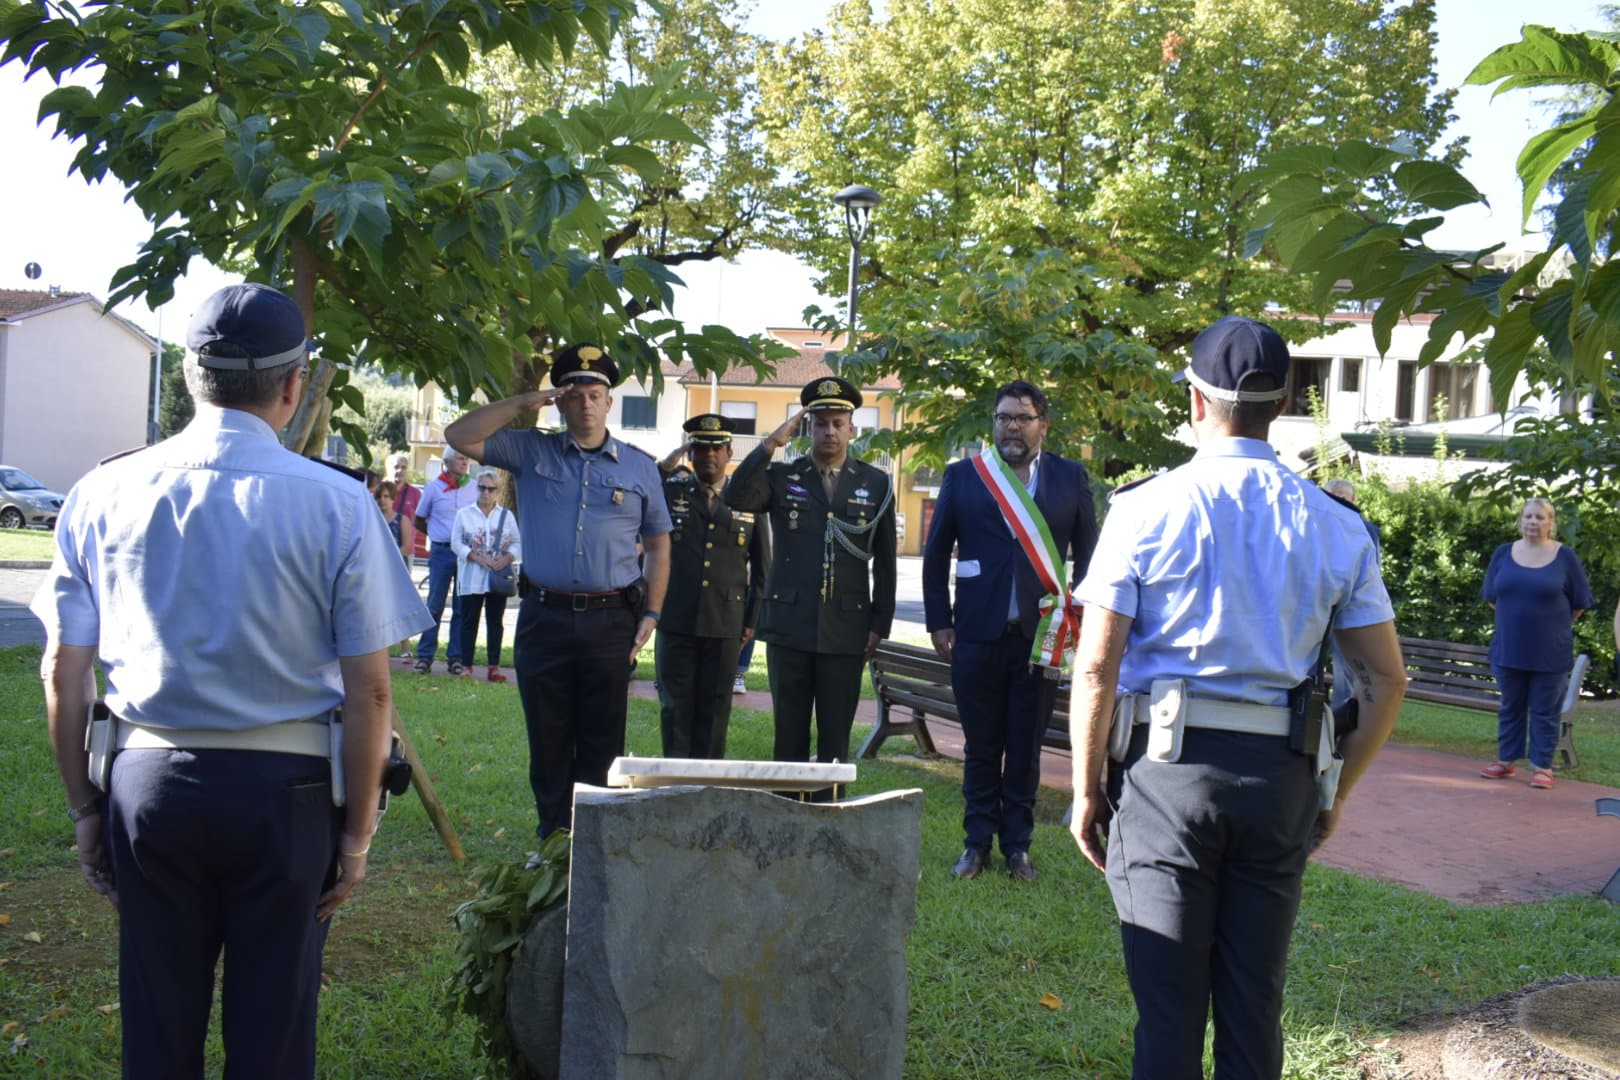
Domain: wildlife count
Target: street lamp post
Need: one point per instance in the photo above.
(857, 201)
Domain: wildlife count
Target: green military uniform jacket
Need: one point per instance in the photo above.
(715, 555)
(860, 593)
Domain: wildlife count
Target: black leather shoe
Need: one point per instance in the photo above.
(971, 864)
(1020, 868)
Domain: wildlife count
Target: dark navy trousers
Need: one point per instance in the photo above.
(1206, 857)
(1005, 705)
(573, 676)
(1531, 701)
(220, 850)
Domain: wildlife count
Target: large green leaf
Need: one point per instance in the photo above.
(1435, 184)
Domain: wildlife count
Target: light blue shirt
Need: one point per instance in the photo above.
(582, 512)
(439, 506)
(1230, 568)
(220, 576)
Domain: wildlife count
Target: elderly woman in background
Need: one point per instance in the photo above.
(484, 537)
(1538, 589)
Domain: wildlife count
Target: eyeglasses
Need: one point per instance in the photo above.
(487, 487)
(1015, 419)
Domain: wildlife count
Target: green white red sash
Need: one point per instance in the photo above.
(1059, 628)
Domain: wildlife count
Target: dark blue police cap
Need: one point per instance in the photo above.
(1232, 349)
(248, 327)
(584, 363)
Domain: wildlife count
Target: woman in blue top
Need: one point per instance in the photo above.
(1537, 588)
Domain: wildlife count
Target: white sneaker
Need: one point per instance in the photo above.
(738, 686)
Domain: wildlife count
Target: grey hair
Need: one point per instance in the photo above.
(493, 474)
(398, 456)
(1341, 487)
(450, 454)
(235, 389)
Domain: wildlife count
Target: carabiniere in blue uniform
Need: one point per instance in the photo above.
(582, 510)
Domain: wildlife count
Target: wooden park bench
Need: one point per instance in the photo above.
(913, 682)
(1451, 674)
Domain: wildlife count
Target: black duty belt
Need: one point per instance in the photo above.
(576, 601)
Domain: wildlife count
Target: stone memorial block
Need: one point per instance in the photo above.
(721, 932)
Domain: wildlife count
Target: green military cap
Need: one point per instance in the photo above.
(710, 429)
(830, 394)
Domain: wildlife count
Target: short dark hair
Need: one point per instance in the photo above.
(1246, 419)
(1018, 388)
(235, 389)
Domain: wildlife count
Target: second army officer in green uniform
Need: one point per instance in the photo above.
(829, 597)
(717, 554)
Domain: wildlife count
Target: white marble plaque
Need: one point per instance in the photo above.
(640, 772)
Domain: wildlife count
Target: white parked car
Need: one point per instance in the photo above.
(25, 501)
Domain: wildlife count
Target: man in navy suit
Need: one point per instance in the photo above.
(1014, 516)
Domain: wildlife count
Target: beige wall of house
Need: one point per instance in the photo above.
(74, 388)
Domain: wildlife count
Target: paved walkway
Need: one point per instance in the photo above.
(1419, 818)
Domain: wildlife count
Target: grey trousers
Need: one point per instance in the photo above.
(1205, 860)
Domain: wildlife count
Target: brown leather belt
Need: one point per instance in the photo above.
(578, 601)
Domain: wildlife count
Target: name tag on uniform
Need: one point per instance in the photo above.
(739, 515)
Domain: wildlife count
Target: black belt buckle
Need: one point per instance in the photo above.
(579, 603)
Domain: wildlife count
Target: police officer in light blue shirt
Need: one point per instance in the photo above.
(586, 501)
(235, 593)
(1207, 601)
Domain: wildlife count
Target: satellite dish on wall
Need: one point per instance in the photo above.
(32, 271)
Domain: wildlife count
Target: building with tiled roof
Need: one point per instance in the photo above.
(74, 383)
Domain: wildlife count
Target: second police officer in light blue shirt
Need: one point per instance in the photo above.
(1207, 601)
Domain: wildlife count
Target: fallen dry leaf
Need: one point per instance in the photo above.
(500, 832)
(33, 935)
(54, 1014)
(1050, 1000)
(107, 1010)
(38, 813)
(4, 852)
(4, 885)
(9, 1026)
(5, 920)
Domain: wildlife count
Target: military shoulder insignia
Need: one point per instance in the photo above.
(1133, 485)
(121, 454)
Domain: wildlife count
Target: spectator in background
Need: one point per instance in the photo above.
(484, 538)
(385, 494)
(1538, 589)
(406, 496)
(445, 497)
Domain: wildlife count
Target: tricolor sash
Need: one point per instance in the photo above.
(1059, 628)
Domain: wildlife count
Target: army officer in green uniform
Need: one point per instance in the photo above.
(717, 554)
(829, 597)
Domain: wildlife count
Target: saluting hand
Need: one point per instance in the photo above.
(779, 438)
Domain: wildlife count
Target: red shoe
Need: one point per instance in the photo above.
(1501, 770)
(1541, 779)
(495, 675)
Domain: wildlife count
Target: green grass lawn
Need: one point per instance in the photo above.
(1472, 733)
(1366, 955)
(26, 544)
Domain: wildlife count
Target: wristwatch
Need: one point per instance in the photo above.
(79, 813)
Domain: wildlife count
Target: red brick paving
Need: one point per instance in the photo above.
(1419, 818)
